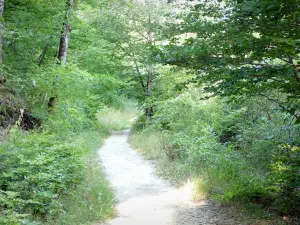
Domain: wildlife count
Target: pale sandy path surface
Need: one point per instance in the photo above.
(143, 197)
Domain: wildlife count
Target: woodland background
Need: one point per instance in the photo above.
(216, 82)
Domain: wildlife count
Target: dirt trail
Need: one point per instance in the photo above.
(146, 199)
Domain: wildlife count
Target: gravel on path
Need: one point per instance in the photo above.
(146, 199)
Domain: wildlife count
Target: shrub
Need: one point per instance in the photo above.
(35, 170)
(247, 152)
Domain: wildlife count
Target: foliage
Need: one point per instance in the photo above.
(240, 152)
(30, 28)
(226, 107)
(45, 173)
(134, 30)
(169, 82)
(114, 119)
(286, 179)
(92, 199)
(36, 170)
(240, 48)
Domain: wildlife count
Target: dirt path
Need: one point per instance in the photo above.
(146, 199)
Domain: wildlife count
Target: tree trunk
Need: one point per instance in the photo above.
(149, 108)
(63, 46)
(1, 32)
(65, 36)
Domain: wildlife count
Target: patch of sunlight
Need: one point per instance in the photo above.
(193, 190)
(113, 119)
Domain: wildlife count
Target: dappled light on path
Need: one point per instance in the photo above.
(143, 197)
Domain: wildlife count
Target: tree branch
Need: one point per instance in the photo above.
(291, 61)
(132, 56)
(280, 105)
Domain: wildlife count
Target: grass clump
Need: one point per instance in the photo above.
(47, 181)
(115, 119)
(47, 175)
(92, 200)
(157, 146)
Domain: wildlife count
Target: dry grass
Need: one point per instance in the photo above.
(155, 146)
(113, 119)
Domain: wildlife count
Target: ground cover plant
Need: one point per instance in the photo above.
(217, 89)
(236, 151)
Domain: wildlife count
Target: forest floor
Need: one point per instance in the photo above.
(144, 198)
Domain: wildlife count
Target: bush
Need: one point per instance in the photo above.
(91, 201)
(36, 170)
(284, 179)
(240, 152)
(42, 171)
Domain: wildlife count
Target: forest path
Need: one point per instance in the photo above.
(145, 198)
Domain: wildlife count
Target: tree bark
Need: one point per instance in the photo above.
(1, 32)
(150, 75)
(66, 33)
(149, 108)
(139, 74)
(63, 46)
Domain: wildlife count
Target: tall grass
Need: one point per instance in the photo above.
(92, 200)
(114, 119)
(235, 153)
(157, 146)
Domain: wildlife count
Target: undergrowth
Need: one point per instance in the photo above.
(241, 154)
(92, 200)
(118, 118)
(156, 146)
(45, 180)
(50, 175)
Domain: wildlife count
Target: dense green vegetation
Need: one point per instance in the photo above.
(231, 149)
(217, 82)
(48, 117)
(231, 117)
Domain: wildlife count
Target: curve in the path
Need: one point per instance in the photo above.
(143, 197)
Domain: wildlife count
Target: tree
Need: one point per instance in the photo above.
(24, 44)
(1, 30)
(65, 35)
(63, 47)
(242, 48)
(134, 29)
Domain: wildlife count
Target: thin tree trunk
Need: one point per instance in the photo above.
(66, 33)
(1, 31)
(149, 108)
(63, 47)
(139, 74)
